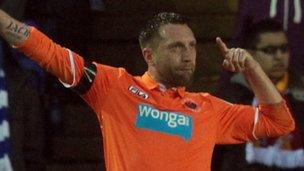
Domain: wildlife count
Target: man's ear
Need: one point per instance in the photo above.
(148, 56)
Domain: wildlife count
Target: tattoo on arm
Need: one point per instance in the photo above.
(17, 29)
(15, 32)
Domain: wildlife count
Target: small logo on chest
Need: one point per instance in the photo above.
(191, 105)
(138, 92)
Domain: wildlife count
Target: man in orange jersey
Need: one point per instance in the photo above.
(150, 122)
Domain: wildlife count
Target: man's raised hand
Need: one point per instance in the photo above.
(235, 59)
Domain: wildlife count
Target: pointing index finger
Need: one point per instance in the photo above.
(222, 45)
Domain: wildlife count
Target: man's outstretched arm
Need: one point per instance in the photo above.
(13, 31)
(61, 62)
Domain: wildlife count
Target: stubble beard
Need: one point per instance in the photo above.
(180, 80)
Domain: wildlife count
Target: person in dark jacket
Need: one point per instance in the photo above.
(268, 44)
(288, 12)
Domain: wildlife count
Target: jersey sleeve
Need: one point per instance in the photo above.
(70, 67)
(240, 123)
(107, 79)
(234, 122)
(274, 120)
(59, 61)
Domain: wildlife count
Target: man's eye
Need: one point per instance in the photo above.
(177, 46)
(193, 45)
(269, 50)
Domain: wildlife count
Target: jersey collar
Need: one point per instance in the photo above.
(152, 84)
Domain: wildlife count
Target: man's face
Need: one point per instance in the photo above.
(273, 55)
(174, 57)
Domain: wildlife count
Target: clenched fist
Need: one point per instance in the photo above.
(236, 59)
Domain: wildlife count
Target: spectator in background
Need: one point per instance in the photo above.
(287, 12)
(21, 120)
(268, 44)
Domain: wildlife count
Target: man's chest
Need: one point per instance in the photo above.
(148, 113)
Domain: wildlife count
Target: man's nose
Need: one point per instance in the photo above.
(186, 55)
(186, 58)
(279, 54)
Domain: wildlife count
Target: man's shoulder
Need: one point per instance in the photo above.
(114, 75)
(199, 96)
(113, 71)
